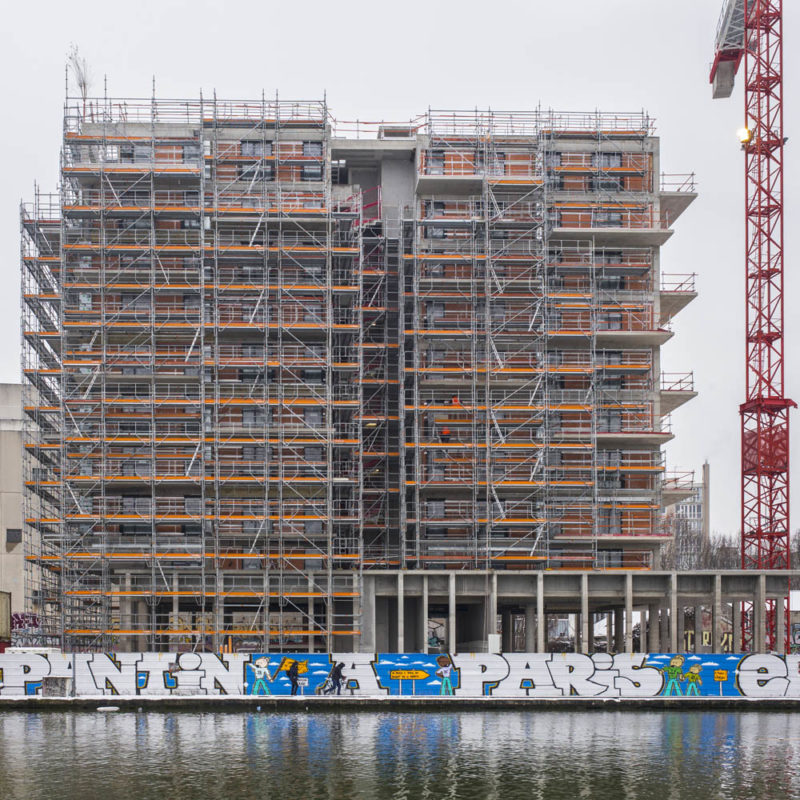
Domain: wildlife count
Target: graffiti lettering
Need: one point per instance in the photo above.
(522, 675)
(23, 622)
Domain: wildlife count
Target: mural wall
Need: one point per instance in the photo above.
(523, 675)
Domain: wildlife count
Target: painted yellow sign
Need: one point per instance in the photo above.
(407, 674)
(720, 674)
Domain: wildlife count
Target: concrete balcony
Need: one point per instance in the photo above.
(676, 388)
(677, 291)
(676, 195)
(677, 485)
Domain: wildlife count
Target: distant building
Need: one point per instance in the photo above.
(688, 521)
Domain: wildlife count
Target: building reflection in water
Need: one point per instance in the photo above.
(469, 754)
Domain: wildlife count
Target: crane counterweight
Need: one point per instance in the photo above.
(728, 48)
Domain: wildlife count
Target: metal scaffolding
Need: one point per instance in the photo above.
(192, 359)
(530, 335)
(246, 384)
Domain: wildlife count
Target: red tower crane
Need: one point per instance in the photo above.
(752, 31)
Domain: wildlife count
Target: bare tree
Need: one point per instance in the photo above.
(80, 71)
(689, 550)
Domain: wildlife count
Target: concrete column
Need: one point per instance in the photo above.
(451, 614)
(576, 630)
(716, 616)
(126, 612)
(673, 615)
(780, 626)
(492, 613)
(643, 643)
(680, 624)
(609, 628)
(355, 644)
(619, 630)
(737, 626)
(663, 638)
(423, 615)
(698, 629)
(653, 633)
(541, 622)
(628, 613)
(401, 614)
(367, 642)
(218, 638)
(586, 635)
(364, 614)
(759, 615)
(175, 601)
(530, 628)
(508, 632)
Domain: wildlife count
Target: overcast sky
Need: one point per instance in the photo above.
(391, 60)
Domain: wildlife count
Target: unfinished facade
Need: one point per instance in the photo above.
(264, 355)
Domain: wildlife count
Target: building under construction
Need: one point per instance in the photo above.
(272, 359)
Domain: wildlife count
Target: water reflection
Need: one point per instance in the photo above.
(400, 755)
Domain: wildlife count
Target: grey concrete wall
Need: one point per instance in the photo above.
(397, 188)
(366, 178)
(12, 562)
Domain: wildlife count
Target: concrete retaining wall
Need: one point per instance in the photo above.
(542, 676)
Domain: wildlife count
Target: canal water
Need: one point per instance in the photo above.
(459, 754)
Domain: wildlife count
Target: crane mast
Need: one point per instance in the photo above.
(750, 32)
